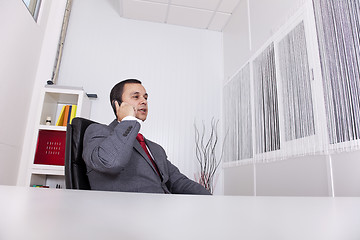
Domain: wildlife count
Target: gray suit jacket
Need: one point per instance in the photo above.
(116, 161)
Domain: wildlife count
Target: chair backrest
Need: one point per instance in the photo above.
(75, 167)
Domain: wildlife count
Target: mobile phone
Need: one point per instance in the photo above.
(113, 104)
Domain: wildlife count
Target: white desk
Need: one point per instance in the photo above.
(29, 213)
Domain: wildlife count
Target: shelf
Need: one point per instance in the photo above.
(63, 89)
(51, 181)
(46, 160)
(48, 169)
(55, 128)
(47, 175)
(54, 102)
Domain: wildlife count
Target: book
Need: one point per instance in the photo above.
(73, 112)
(70, 109)
(66, 115)
(60, 119)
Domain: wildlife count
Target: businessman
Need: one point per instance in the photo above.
(118, 158)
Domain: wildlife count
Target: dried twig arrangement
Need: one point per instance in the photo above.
(206, 155)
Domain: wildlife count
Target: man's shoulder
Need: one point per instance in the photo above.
(99, 127)
(95, 128)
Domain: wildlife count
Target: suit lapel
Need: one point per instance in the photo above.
(153, 150)
(140, 150)
(138, 147)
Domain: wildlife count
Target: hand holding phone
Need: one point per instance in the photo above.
(123, 109)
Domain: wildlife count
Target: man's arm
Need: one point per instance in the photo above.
(179, 183)
(108, 149)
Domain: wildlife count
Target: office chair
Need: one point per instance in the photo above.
(75, 168)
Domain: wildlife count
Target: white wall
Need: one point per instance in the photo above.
(181, 68)
(21, 43)
(237, 48)
(251, 26)
(50, 22)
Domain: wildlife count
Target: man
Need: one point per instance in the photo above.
(115, 158)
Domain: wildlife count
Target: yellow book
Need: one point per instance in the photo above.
(60, 119)
(73, 112)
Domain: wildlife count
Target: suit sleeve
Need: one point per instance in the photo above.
(109, 150)
(178, 183)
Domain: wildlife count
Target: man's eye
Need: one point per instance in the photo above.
(135, 96)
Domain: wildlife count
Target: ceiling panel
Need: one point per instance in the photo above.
(158, 1)
(144, 10)
(204, 14)
(202, 4)
(219, 21)
(190, 17)
(228, 6)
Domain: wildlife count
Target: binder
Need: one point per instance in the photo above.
(50, 149)
(60, 119)
(66, 115)
(73, 113)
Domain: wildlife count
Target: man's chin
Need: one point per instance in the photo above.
(141, 118)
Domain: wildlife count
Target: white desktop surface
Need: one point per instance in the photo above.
(33, 213)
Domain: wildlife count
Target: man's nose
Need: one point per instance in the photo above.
(143, 100)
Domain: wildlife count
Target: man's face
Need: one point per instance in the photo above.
(135, 95)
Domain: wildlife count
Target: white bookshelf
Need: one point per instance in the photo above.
(53, 99)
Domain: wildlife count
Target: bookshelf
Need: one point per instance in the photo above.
(42, 170)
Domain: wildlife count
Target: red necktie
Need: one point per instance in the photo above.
(141, 140)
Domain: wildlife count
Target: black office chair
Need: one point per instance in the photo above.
(75, 168)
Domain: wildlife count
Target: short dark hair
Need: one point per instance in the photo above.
(117, 91)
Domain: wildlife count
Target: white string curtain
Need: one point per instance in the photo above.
(238, 117)
(267, 130)
(338, 31)
(288, 117)
(300, 135)
(298, 111)
(297, 105)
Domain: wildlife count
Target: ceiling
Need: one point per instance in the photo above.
(204, 14)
